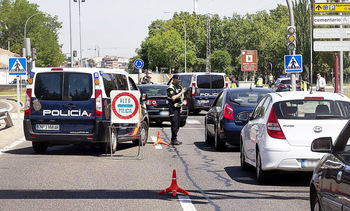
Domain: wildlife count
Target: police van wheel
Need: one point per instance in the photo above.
(39, 147)
(112, 145)
(143, 135)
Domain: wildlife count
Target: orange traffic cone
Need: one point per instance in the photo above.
(173, 187)
(159, 140)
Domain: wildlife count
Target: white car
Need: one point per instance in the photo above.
(282, 126)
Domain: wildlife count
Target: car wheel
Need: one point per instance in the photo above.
(143, 135)
(315, 202)
(208, 139)
(218, 143)
(182, 123)
(111, 147)
(39, 147)
(244, 165)
(260, 174)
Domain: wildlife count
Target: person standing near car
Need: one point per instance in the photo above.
(175, 94)
(234, 82)
(320, 83)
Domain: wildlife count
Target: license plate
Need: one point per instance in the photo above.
(47, 127)
(164, 113)
(309, 163)
(203, 101)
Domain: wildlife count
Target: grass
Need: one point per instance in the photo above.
(14, 96)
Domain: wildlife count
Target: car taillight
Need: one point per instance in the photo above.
(154, 102)
(184, 103)
(228, 112)
(281, 86)
(273, 127)
(55, 69)
(27, 102)
(148, 102)
(313, 98)
(193, 89)
(98, 103)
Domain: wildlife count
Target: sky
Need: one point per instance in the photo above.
(117, 27)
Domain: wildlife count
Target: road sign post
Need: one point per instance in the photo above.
(18, 66)
(138, 64)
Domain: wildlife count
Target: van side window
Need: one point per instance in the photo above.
(132, 84)
(48, 86)
(79, 86)
(114, 82)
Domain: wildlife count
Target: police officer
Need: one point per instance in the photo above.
(259, 82)
(234, 82)
(175, 97)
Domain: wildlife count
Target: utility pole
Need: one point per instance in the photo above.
(207, 65)
(195, 6)
(70, 33)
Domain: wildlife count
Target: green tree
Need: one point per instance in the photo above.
(220, 61)
(41, 29)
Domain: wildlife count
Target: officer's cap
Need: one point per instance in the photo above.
(176, 78)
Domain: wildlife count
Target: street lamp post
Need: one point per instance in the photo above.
(81, 51)
(70, 33)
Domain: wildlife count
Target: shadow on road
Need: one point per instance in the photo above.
(210, 148)
(80, 149)
(274, 178)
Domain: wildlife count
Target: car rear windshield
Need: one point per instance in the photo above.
(185, 80)
(210, 81)
(312, 109)
(154, 90)
(63, 86)
(247, 98)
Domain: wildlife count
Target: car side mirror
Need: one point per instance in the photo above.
(144, 97)
(323, 144)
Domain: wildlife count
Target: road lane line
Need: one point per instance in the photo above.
(193, 122)
(186, 203)
(154, 139)
(181, 128)
(13, 145)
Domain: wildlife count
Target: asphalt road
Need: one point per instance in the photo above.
(78, 178)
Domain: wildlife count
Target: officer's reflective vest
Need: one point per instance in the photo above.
(259, 82)
(172, 86)
(304, 85)
(233, 85)
(270, 78)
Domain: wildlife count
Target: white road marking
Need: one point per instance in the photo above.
(154, 139)
(186, 203)
(193, 122)
(13, 145)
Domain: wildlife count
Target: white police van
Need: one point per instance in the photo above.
(72, 106)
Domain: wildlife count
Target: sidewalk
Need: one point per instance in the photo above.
(11, 134)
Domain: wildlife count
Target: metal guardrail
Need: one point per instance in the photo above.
(5, 115)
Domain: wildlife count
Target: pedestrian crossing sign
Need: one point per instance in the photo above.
(17, 66)
(293, 64)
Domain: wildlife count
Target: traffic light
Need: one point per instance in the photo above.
(291, 38)
(74, 53)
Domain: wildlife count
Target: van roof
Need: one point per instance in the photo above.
(86, 70)
(200, 73)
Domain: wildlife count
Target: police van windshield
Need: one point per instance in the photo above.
(210, 81)
(63, 86)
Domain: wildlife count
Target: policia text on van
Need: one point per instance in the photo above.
(71, 106)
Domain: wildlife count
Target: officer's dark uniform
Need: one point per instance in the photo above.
(174, 109)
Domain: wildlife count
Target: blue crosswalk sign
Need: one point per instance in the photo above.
(293, 64)
(17, 66)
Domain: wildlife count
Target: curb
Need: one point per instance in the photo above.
(15, 100)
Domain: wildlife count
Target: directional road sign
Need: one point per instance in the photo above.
(331, 20)
(293, 64)
(138, 63)
(331, 33)
(17, 66)
(331, 45)
(249, 60)
(332, 7)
